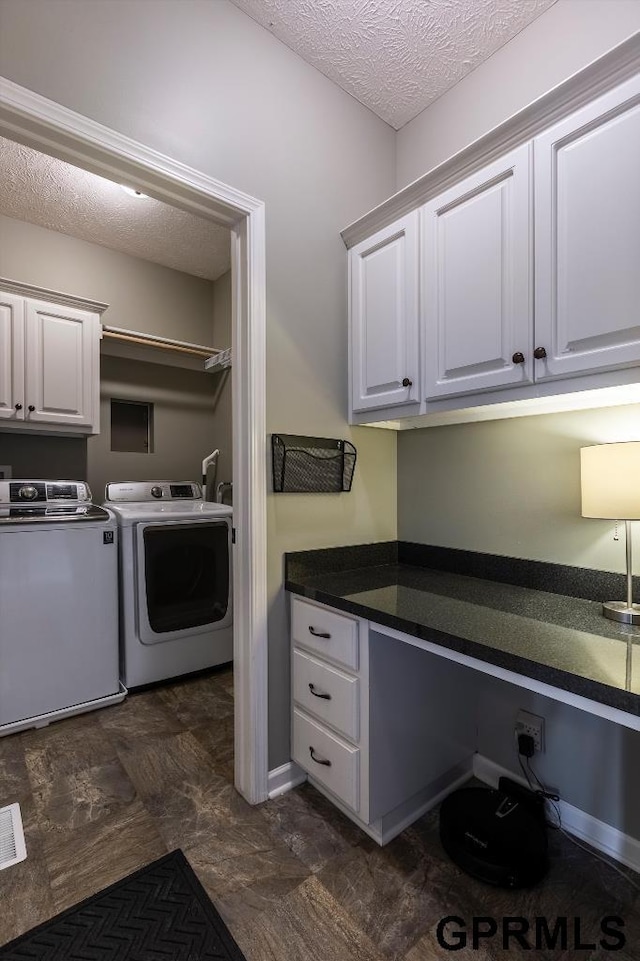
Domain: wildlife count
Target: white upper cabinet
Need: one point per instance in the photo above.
(62, 345)
(11, 357)
(528, 286)
(384, 349)
(477, 310)
(587, 212)
(49, 366)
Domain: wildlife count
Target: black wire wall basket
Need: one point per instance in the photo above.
(311, 465)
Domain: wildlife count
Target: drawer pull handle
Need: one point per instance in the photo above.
(326, 697)
(319, 760)
(316, 633)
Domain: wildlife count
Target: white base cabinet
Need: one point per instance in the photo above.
(383, 735)
(49, 366)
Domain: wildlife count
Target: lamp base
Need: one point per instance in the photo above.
(620, 611)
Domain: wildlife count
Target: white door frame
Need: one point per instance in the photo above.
(51, 128)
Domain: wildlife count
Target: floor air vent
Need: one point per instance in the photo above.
(12, 846)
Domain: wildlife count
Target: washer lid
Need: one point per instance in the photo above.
(23, 514)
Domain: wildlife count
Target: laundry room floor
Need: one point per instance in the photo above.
(103, 794)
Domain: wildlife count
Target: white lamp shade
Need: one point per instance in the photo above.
(611, 481)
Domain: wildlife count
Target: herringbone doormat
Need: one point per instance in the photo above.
(160, 913)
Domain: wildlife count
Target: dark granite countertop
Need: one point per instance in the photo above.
(561, 640)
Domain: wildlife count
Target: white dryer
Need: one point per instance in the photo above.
(176, 612)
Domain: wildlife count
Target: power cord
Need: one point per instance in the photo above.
(526, 749)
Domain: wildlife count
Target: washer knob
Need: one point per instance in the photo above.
(156, 491)
(28, 493)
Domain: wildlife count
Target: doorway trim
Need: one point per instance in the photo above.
(37, 122)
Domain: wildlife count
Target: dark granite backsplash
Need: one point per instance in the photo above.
(538, 575)
(333, 560)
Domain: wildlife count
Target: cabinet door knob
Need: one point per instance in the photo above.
(18, 406)
(518, 357)
(325, 697)
(316, 633)
(406, 382)
(319, 760)
(539, 353)
(31, 408)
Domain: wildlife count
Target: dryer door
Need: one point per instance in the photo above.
(184, 579)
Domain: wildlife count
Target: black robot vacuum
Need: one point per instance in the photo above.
(497, 836)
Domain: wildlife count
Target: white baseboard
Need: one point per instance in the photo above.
(603, 837)
(397, 821)
(285, 777)
(386, 828)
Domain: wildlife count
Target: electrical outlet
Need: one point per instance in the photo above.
(533, 725)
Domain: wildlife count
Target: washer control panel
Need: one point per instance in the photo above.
(32, 492)
(140, 491)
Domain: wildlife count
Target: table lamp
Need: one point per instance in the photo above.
(611, 488)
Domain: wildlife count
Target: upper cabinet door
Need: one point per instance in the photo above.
(12, 403)
(383, 285)
(62, 357)
(476, 281)
(587, 207)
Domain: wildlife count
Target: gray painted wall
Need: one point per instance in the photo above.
(564, 39)
(222, 426)
(592, 763)
(43, 457)
(205, 84)
(512, 487)
(141, 296)
(183, 425)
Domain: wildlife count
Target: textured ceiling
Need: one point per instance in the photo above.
(48, 192)
(395, 56)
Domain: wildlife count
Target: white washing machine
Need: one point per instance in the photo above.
(58, 603)
(176, 612)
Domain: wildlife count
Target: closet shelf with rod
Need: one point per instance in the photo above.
(214, 357)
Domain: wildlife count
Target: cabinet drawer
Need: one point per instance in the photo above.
(329, 634)
(326, 692)
(314, 744)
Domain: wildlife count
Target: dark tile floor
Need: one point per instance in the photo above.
(105, 793)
